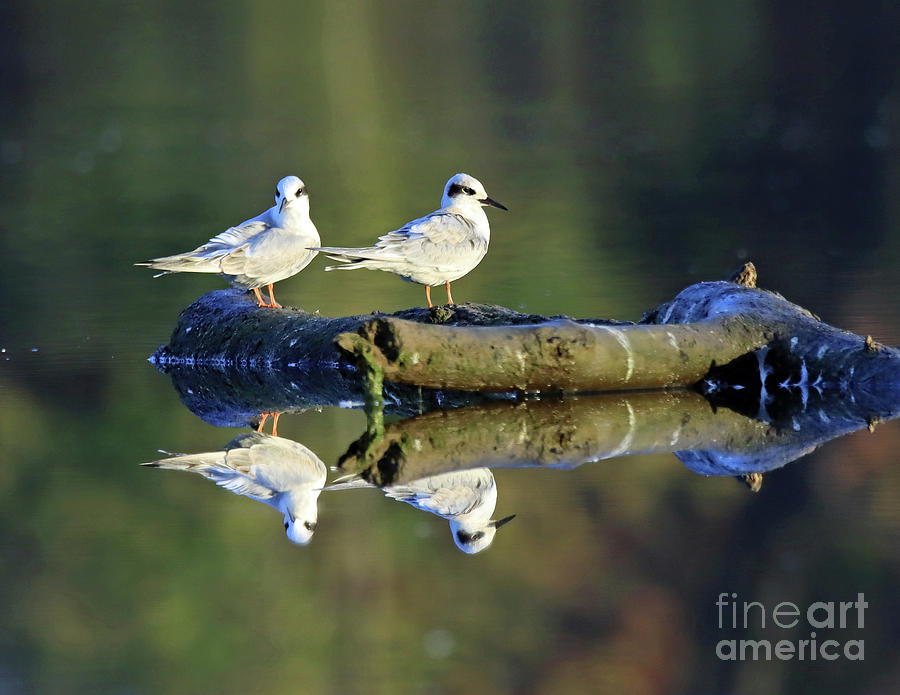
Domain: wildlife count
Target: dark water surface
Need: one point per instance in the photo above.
(640, 147)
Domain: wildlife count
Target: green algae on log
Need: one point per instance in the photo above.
(559, 355)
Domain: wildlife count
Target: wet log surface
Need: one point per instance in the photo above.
(739, 344)
(230, 361)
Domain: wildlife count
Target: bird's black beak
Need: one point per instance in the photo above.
(284, 201)
(505, 520)
(493, 203)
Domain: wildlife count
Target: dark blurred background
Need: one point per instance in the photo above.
(640, 146)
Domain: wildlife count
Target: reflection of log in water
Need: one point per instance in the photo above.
(569, 432)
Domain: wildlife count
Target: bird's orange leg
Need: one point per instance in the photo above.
(449, 296)
(428, 295)
(264, 417)
(259, 297)
(273, 304)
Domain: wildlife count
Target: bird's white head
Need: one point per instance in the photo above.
(290, 193)
(298, 529)
(474, 540)
(463, 190)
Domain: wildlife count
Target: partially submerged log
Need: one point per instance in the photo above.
(707, 326)
(801, 347)
(720, 335)
(229, 360)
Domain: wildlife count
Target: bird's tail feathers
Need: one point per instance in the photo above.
(348, 482)
(352, 255)
(182, 263)
(196, 463)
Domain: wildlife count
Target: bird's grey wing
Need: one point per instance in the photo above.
(231, 239)
(283, 464)
(264, 466)
(269, 253)
(237, 475)
(433, 240)
(442, 501)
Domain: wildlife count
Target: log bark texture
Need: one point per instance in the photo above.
(717, 334)
(559, 355)
(229, 360)
(701, 334)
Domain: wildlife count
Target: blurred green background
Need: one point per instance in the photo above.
(640, 146)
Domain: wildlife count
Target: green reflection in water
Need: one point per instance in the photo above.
(639, 147)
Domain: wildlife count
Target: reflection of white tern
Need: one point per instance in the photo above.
(465, 498)
(282, 473)
(270, 247)
(438, 248)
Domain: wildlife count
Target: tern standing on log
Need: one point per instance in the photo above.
(267, 248)
(282, 473)
(435, 249)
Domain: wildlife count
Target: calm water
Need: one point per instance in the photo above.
(640, 148)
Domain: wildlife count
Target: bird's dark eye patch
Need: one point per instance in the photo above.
(300, 192)
(457, 188)
(469, 537)
(277, 194)
(286, 524)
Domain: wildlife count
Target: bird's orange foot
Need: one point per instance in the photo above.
(272, 303)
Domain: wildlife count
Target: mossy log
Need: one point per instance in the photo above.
(560, 355)
(707, 326)
(229, 360)
(712, 333)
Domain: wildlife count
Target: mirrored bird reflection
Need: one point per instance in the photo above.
(279, 472)
(464, 498)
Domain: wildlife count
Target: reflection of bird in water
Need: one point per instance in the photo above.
(438, 248)
(282, 473)
(465, 498)
(262, 421)
(270, 247)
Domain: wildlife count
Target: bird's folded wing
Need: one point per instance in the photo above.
(236, 474)
(443, 501)
(231, 239)
(241, 485)
(453, 501)
(433, 240)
